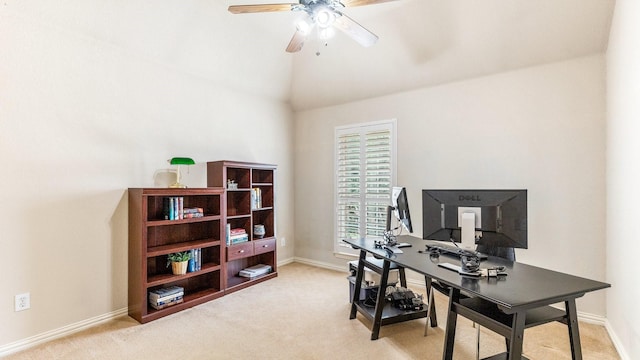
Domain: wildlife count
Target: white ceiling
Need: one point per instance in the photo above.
(422, 42)
(429, 42)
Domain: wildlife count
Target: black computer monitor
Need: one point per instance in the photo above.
(400, 207)
(496, 217)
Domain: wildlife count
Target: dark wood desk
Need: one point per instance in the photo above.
(506, 305)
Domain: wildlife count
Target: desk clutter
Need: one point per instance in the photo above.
(370, 283)
(479, 272)
(403, 298)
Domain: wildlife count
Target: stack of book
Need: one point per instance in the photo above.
(165, 297)
(255, 271)
(195, 212)
(236, 235)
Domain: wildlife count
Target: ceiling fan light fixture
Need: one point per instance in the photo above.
(304, 26)
(324, 17)
(326, 33)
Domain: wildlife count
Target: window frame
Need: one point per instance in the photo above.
(362, 129)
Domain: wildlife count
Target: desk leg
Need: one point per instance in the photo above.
(403, 277)
(358, 284)
(574, 334)
(432, 305)
(380, 301)
(517, 335)
(452, 318)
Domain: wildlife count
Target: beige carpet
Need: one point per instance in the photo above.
(302, 314)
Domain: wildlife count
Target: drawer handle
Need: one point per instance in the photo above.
(265, 246)
(240, 252)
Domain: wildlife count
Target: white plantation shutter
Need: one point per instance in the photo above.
(365, 157)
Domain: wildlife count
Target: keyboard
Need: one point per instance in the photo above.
(448, 248)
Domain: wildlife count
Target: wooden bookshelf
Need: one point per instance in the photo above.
(241, 211)
(152, 237)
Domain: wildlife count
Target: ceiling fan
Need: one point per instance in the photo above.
(324, 15)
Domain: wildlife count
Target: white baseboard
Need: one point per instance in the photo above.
(616, 341)
(321, 264)
(285, 261)
(60, 332)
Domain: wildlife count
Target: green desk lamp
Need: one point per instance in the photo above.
(180, 161)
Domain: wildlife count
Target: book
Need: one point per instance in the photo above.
(174, 299)
(193, 216)
(259, 197)
(193, 210)
(165, 305)
(165, 208)
(255, 271)
(238, 231)
(239, 236)
(197, 259)
(165, 291)
(176, 206)
(238, 239)
(191, 266)
(259, 268)
(256, 198)
(169, 298)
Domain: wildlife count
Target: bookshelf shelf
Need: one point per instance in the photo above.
(238, 282)
(182, 221)
(196, 297)
(187, 245)
(252, 203)
(162, 279)
(239, 216)
(152, 237)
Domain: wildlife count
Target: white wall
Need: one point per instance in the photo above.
(623, 176)
(540, 128)
(91, 104)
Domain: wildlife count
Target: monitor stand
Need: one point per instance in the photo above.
(468, 231)
(389, 238)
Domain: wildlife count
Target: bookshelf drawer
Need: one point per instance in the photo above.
(239, 251)
(264, 246)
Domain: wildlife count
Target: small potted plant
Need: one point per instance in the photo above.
(178, 262)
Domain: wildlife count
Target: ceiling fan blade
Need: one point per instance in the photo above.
(297, 41)
(351, 3)
(245, 9)
(356, 31)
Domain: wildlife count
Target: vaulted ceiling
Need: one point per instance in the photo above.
(422, 42)
(429, 42)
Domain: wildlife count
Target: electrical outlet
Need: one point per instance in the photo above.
(23, 301)
(283, 241)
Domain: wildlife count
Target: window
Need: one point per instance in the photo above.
(365, 173)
